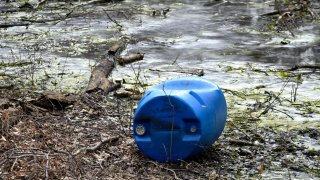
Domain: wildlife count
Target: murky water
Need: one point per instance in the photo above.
(225, 40)
(218, 37)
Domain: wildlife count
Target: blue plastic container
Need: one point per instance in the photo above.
(179, 118)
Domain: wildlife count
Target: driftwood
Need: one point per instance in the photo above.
(123, 60)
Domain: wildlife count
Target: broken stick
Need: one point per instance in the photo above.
(123, 60)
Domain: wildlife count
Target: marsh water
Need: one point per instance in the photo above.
(227, 40)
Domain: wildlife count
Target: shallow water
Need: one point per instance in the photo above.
(225, 40)
(228, 35)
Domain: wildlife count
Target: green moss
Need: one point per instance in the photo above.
(230, 68)
(15, 64)
(284, 74)
(285, 41)
(317, 41)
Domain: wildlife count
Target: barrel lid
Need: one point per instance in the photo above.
(167, 129)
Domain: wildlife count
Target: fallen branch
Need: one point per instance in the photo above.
(283, 113)
(123, 60)
(240, 142)
(112, 20)
(8, 25)
(214, 3)
(6, 86)
(97, 146)
(98, 2)
(197, 72)
(271, 103)
(58, 19)
(99, 77)
(165, 168)
(234, 92)
(54, 101)
(296, 67)
(32, 109)
(116, 48)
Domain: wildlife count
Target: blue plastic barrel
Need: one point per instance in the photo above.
(179, 118)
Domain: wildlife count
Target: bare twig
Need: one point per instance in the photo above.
(168, 169)
(240, 142)
(175, 60)
(120, 118)
(14, 163)
(240, 129)
(97, 146)
(47, 166)
(272, 102)
(112, 20)
(284, 18)
(283, 113)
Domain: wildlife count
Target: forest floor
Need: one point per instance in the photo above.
(92, 139)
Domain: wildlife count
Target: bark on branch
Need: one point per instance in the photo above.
(296, 67)
(123, 60)
(99, 76)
